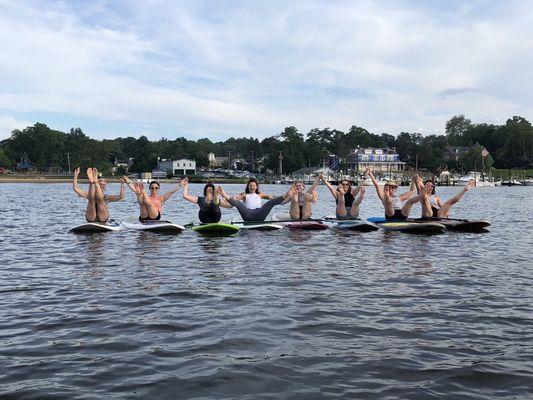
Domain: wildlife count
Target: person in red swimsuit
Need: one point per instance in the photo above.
(151, 206)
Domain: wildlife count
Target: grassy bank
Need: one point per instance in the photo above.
(504, 174)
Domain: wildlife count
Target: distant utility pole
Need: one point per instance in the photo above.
(252, 161)
(280, 163)
(229, 160)
(68, 160)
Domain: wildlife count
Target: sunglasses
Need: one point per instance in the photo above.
(154, 188)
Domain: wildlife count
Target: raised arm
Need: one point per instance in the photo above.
(168, 194)
(411, 190)
(120, 196)
(129, 183)
(379, 190)
(75, 187)
(186, 195)
(331, 188)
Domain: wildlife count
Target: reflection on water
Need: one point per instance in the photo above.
(278, 314)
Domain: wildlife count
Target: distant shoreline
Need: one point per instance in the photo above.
(56, 179)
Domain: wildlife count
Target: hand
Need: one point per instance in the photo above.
(76, 172)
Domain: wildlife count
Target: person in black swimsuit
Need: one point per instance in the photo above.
(344, 195)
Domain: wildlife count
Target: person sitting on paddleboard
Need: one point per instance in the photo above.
(396, 207)
(249, 203)
(301, 201)
(209, 203)
(97, 200)
(151, 206)
(433, 206)
(344, 195)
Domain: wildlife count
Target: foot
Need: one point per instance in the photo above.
(90, 175)
(341, 190)
(95, 174)
(223, 193)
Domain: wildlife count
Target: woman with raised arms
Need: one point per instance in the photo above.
(301, 201)
(209, 203)
(397, 207)
(249, 202)
(97, 210)
(344, 195)
(433, 206)
(151, 206)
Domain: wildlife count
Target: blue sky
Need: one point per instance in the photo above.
(250, 68)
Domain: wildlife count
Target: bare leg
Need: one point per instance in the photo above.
(295, 206)
(354, 211)
(445, 209)
(101, 206)
(90, 213)
(147, 203)
(310, 197)
(341, 206)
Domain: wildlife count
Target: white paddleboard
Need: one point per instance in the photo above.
(358, 225)
(90, 227)
(152, 226)
(258, 226)
(284, 218)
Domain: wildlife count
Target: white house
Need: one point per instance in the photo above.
(377, 160)
(177, 167)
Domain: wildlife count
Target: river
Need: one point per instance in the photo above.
(263, 315)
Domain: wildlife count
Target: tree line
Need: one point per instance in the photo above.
(510, 146)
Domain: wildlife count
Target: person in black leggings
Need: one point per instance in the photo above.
(249, 203)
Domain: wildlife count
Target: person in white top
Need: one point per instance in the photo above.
(249, 202)
(433, 206)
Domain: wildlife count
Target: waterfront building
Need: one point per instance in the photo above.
(454, 153)
(177, 167)
(378, 160)
(217, 162)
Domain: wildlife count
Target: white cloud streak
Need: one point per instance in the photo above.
(223, 69)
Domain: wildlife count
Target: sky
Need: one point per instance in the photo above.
(221, 69)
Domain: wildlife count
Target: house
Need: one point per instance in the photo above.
(454, 153)
(216, 162)
(123, 163)
(377, 160)
(177, 167)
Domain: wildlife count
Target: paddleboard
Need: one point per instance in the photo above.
(152, 226)
(283, 218)
(258, 226)
(216, 228)
(463, 226)
(358, 225)
(414, 227)
(93, 227)
(459, 225)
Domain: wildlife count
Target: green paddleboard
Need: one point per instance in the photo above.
(219, 227)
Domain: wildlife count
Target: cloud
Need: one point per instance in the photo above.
(223, 69)
(9, 124)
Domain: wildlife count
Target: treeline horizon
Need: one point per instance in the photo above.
(510, 146)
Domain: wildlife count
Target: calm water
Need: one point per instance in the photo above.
(276, 315)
